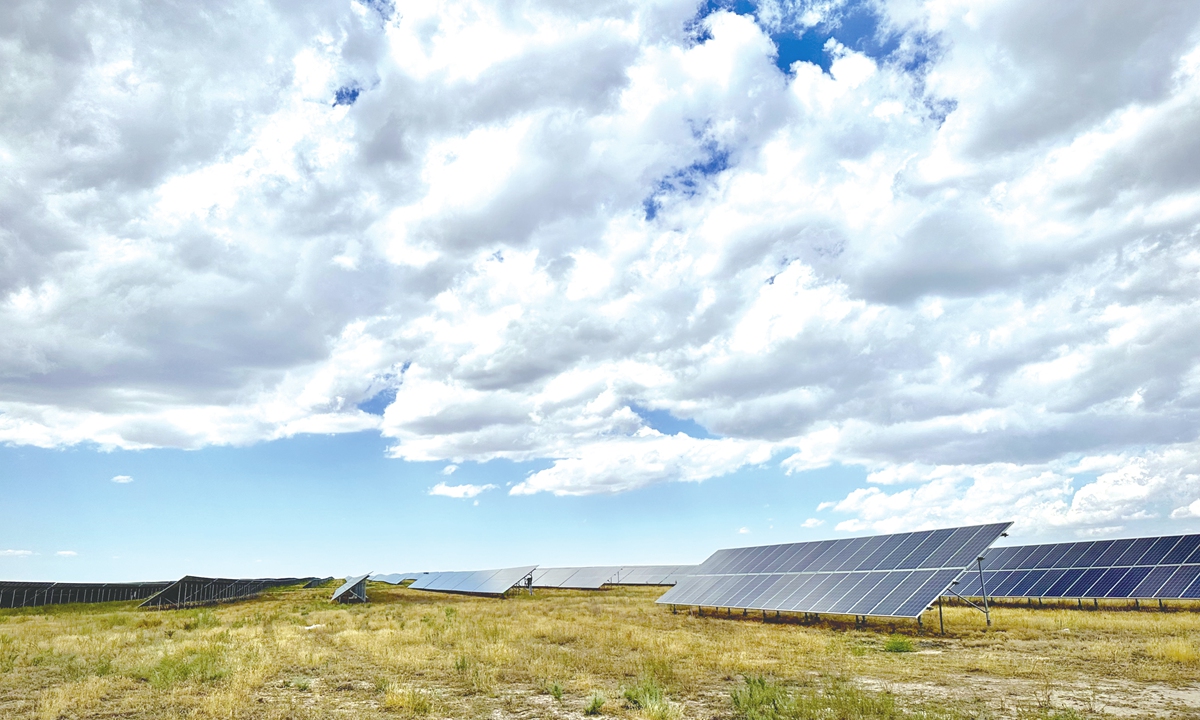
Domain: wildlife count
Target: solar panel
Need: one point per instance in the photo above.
(897, 575)
(1148, 568)
(34, 594)
(575, 578)
(395, 578)
(354, 590)
(596, 576)
(650, 574)
(191, 591)
(477, 582)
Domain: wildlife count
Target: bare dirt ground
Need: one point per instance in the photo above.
(292, 654)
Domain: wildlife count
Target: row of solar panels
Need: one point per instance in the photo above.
(1151, 568)
(34, 594)
(186, 591)
(898, 575)
(577, 578)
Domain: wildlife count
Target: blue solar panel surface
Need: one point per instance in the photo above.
(883, 575)
(473, 582)
(1166, 567)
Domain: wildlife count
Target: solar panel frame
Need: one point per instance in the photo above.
(873, 575)
(493, 583)
(353, 590)
(1138, 568)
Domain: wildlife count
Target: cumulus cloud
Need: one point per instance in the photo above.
(967, 264)
(812, 523)
(66, 553)
(15, 553)
(460, 491)
(122, 479)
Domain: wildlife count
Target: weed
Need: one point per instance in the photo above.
(1176, 650)
(594, 704)
(204, 665)
(409, 701)
(555, 690)
(762, 699)
(649, 697)
(898, 644)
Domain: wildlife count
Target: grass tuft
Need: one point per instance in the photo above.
(408, 701)
(594, 704)
(204, 665)
(898, 644)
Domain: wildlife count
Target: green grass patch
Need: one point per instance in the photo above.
(203, 665)
(898, 644)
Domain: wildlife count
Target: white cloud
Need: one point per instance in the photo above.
(66, 553)
(460, 491)
(15, 553)
(812, 523)
(971, 280)
(122, 479)
(744, 531)
(449, 469)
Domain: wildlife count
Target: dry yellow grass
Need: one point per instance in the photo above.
(412, 654)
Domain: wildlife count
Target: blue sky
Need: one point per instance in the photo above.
(630, 276)
(335, 505)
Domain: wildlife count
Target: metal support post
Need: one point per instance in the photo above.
(941, 622)
(987, 611)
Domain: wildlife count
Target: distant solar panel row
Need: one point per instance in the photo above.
(575, 578)
(596, 576)
(190, 591)
(884, 575)
(477, 582)
(395, 578)
(651, 574)
(32, 594)
(1143, 568)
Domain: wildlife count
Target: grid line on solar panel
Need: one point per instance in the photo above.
(1134, 568)
(887, 575)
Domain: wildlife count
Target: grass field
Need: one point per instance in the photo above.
(292, 654)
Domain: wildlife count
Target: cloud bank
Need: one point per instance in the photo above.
(960, 252)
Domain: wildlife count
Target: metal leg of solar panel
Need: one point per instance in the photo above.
(987, 614)
(941, 622)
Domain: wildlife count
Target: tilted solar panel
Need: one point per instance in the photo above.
(477, 582)
(191, 591)
(353, 590)
(883, 575)
(1149, 568)
(574, 578)
(650, 574)
(394, 578)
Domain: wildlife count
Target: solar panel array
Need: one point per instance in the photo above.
(191, 591)
(883, 575)
(354, 590)
(317, 582)
(33, 594)
(477, 582)
(395, 578)
(575, 578)
(651, 574)
(1143, 568)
